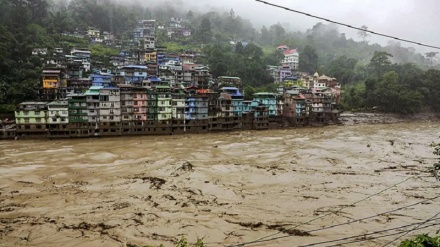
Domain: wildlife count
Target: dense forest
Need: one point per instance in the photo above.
(392, 78)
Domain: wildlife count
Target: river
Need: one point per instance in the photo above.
(226, 188)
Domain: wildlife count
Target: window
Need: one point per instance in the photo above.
(38, 120)
(26, 112)
(37, 113)
(26, 120)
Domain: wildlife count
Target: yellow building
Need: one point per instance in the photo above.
(53, 78)
(150, 56)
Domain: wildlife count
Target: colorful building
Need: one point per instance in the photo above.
(104, 80)
(236, 99)
(140, 103)
(131, 74)
(269, 100)
(31, 118)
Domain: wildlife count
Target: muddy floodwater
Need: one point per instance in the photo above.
(226, 188)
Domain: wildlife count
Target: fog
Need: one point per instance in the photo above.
(408, 19)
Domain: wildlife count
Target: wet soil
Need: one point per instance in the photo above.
(227, 188)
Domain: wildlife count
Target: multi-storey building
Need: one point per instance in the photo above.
(104, 80)
(269, 100)
(77, 107)
(236, 100)
(58, 118)
(92, 100)
(58, 112)
(178, 104)
(284, 72)
(54, 84)
(201, 106)
(151, 105)
(164, 98)
(291, 59)
(126, 92)
(131, 74)
(140, 97)
(78, 85)
(109, 105)
(30, 118)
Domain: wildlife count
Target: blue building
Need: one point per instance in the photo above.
(269, 100)
(132, 75)
(236, 98)
(190, 107)
(104, 80)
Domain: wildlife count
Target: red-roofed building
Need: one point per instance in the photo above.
(282, 48)
(291, 58)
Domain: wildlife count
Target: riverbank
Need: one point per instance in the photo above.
(227, 187)
(356, 118)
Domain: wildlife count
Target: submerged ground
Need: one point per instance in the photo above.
(227, 188)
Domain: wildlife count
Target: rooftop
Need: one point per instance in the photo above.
(291, 51)
(135, 67)
(33, 103)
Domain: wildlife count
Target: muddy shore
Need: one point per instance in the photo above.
(227, 188)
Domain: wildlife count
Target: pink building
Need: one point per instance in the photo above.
(140, 104)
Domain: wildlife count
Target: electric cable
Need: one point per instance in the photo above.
(415, 228)
(346, 25)
(324, 215)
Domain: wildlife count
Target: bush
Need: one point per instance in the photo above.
(422, 240)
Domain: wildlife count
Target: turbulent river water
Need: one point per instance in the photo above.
(226, 188)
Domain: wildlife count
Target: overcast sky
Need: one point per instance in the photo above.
(417, 20)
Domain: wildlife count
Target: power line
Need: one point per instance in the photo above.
(372, 238)
(324, 215)
(372, 216)
(415, 228)
(358, 220)
(363, 237)
(346, 25)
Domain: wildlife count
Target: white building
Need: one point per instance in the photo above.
(58, 112)
(291, 58)
(109, 104)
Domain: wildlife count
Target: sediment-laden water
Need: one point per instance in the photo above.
(226, 188)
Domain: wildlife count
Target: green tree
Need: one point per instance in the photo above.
(204, 32)
(342, 68)
(308, 60)
(380, 62)
(391, 96)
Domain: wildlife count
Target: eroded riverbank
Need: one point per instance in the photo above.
(228, 187)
